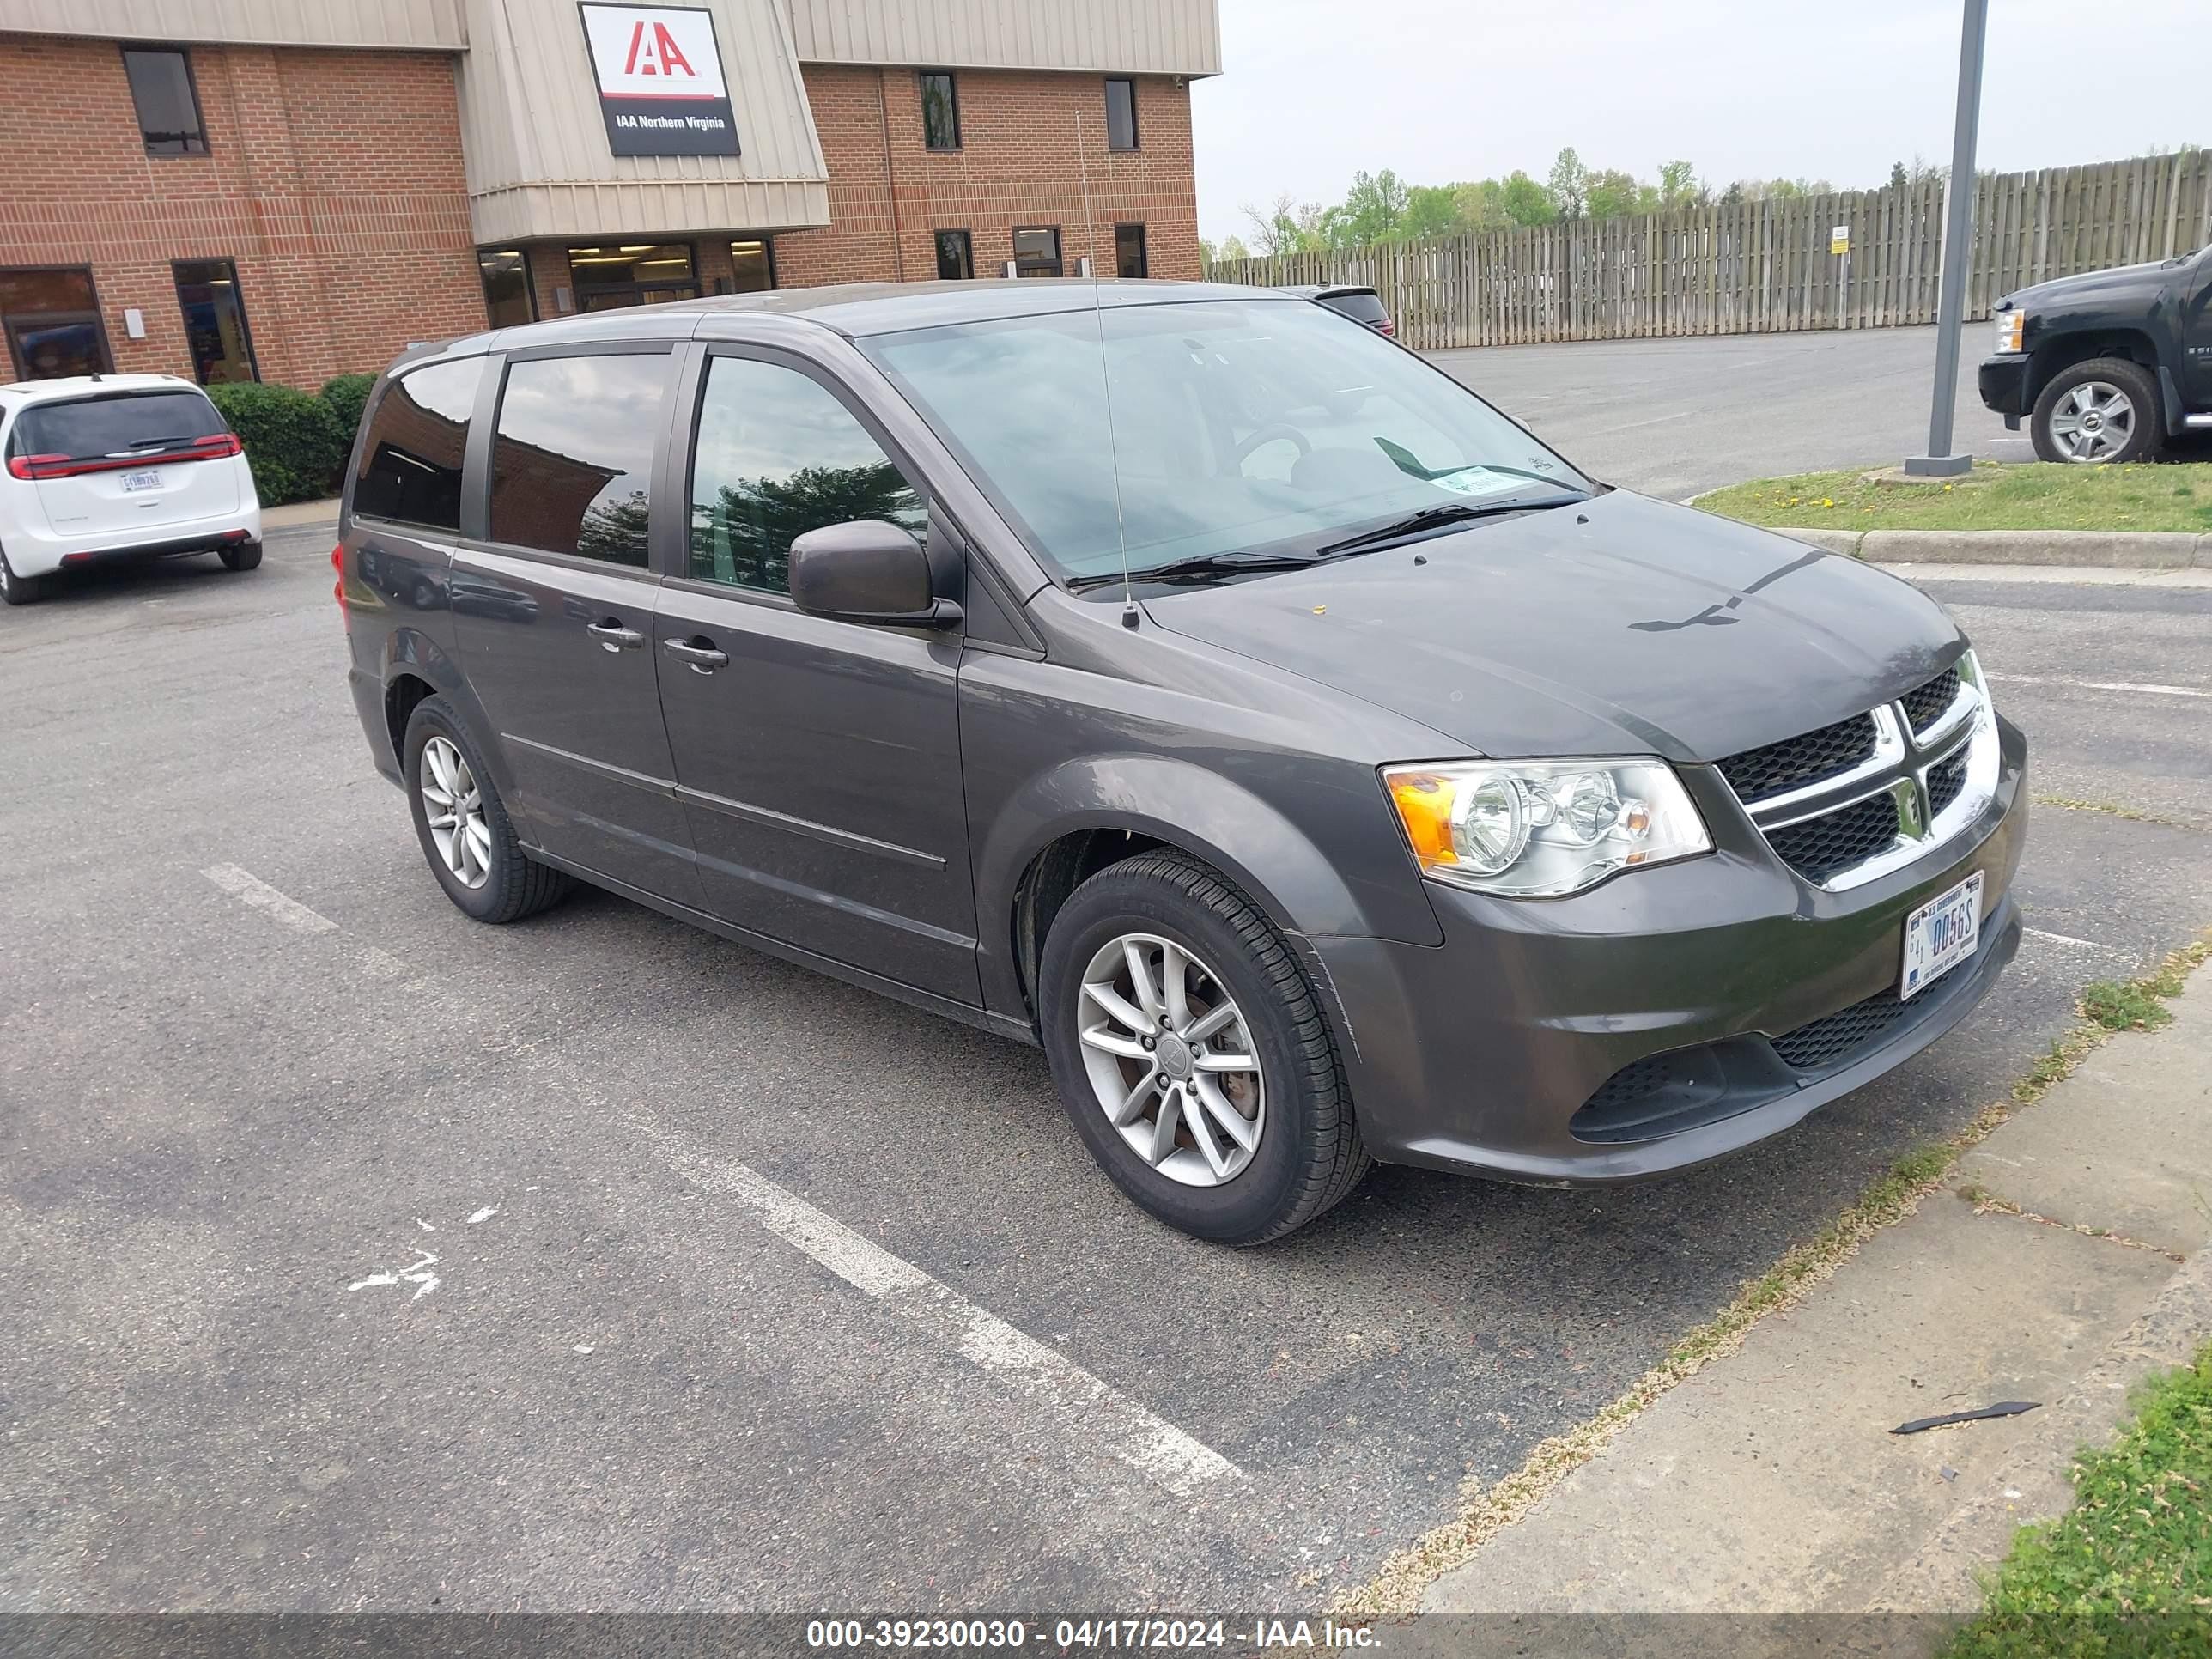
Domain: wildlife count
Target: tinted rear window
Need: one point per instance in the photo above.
(410, 463)
(1360, 308)
(111, 426)
(571, 459)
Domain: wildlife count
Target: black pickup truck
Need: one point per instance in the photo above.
(2107, 366)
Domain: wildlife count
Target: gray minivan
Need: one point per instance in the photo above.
(1186, 679)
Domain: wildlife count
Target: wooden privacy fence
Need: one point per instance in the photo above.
(1764, 266)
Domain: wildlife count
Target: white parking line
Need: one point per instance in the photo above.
(2105, 685)
(1089, 1409)
(2085, 943)
(249, 889)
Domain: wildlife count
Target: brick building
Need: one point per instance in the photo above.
(235, 190)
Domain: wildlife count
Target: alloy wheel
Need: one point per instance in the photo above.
(452, 806)
(2094, 421)
(1171, 1060)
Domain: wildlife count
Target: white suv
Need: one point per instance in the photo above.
(105, 467)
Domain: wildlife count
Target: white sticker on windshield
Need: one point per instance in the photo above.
(1475, 481)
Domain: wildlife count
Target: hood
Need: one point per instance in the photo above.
(2121, 283)
(1621, 626)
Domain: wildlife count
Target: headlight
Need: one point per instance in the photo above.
(1969, 668)
(1540, 829)
(2008, 325)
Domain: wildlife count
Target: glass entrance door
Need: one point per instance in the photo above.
(632, 274)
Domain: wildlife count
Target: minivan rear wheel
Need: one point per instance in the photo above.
(466, 835)
(18, 590)
(246, 556)
(1192, 1054)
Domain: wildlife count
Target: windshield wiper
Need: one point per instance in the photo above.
(137, 444)
(1210, 564)
(1435, 518)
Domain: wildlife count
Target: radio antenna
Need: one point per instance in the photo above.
(1105, 376)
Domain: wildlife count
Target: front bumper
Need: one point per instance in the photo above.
(1478, 1053)
(2003, 382)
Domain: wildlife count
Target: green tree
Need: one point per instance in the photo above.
(1680, 186)
(1611, 193)
(1896, 179)
(1372, 208)
(1569, 185)
(1274, 228)
(1430, 210)
(1526, 202)
(1481, 205)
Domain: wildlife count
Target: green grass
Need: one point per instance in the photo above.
(2034, 496)
(2128, 1570)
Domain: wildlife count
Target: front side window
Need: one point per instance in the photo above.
(1129, 252)
(778, 456)
(1237, 424)
(956, 255)
(1121, 114)
(508, 301)
(572, 455)
(410, 463)
(214, 321)
(941, 111)
(1037, 251)
(169, 104)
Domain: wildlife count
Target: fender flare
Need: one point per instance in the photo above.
(1173, 801)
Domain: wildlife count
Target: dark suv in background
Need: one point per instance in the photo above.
(1185, 679)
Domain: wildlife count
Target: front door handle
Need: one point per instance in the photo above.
(699, 652)
(613, 636)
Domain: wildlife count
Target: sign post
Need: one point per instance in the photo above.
(659, 75)
(1958, 252)
(1839, 246)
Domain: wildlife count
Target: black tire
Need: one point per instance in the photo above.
(18, 590)
(1309, 1155)
(240, 558)
(515, 884)
(2149, 420)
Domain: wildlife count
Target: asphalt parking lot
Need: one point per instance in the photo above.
(361, 1257)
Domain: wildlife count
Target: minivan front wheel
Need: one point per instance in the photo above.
(1192, 1055)
(462, 825)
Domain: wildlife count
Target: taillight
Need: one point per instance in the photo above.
(337, 587)
(215, 446)
(1386, 326)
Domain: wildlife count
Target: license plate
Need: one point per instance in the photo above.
(1940, 934)
(150, 480)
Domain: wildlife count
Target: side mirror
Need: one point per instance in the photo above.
(866, 571)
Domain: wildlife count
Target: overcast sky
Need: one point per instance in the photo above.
(1313, 90)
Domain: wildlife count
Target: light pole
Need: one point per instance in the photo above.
(1958, 253)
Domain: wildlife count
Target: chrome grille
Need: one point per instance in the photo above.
(1848, 802)
(1823, 847)
(1926, 704)
(1795, 763)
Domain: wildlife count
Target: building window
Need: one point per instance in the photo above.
(508, 299)
(169, 104)
(1037, 251)
(1121, 114)
(956, 255)
(941, 111)
(1129, 251)
(572, 454)
(752, 267)
(214, 321)
(52, 319)
(632, 274)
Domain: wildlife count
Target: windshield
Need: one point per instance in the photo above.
(1239, 425)
(87, 427)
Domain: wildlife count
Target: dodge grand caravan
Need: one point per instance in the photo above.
(1183, 678)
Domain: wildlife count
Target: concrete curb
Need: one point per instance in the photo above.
(2123, 550)
(295, 515)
